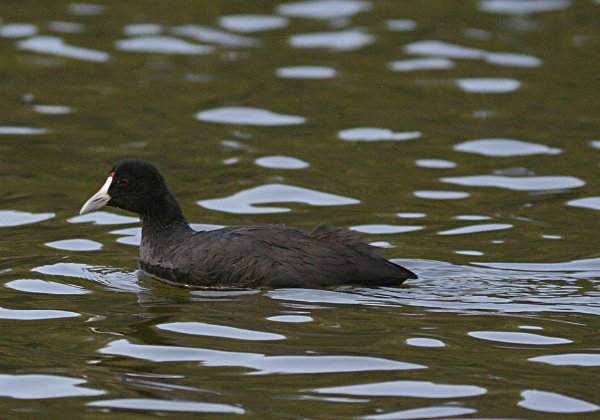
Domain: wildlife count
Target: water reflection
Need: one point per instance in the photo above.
(551, 402)
(248, 116)
(33, 387)
(19, 218)
(281, 162)
(214, 36)
(245, 201)
(518, 338)
(347, 40)
(17, 30)
(149, 404)
(324, 9)
(260, 363)
(418, 389)
(522, 7)
(423, 413)
(201, 328)
(35, 314)
(504, 148)
(306, 72)
(54, 45)
(516, 183)
(488, 85)
(162, 45)
(22, 131)
(252, 23)
(376, 134)
(45, 287)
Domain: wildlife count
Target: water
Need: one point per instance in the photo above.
(462, 136)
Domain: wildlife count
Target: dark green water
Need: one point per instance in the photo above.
(480, 174)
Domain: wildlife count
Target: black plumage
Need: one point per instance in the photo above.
(238, 256)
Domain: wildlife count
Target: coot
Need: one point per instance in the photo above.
(237, 256)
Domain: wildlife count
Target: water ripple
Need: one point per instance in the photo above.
(417, 389)
(244, 202)
(161, 45)
(54, 45)
(528, 183)
(262, 364)
(348, 40)
(167, 406)
(504, 148)
(551, 402)
(324, 9)
(33, 387)
(212, 330)
(252, 23)
(248, 116)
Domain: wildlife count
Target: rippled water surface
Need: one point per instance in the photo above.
(463, 136)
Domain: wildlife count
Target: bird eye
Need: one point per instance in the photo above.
(124, 183)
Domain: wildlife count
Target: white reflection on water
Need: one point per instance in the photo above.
(35, 314)
(248, 116)
(401, 25)
(22, 131)
(162, 45)
(103, 218)
(18, 218)
(75, 245)
(443, 49)
(551, 402)
(215, 36)
(33, 387)
(518, 338)
(504, 148)
(66, 27)
(281, 162)
(17, 30)
(134, 29)
(212, 330)
(306, 72)
(439, 50)
(54, 45)
(522, 7)
(488, 85)
(252, 23)
(324, 9)
(515, 183)
(417, 389)
(47, 287)
(385, 229)
(52, 109)
(348, 40)
(569, 359)
(243, 202)
(376, 134)
(423, 413)
(435, 163)
(107, 276)
(425, 342)
(513, 60)
(86, 9)
(167, 406)
(439, 63)
(262, 364)
(441, 195)
(486, 227)
(586, 203)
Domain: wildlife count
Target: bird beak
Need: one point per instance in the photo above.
(99, 199)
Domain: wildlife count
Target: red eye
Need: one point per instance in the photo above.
(124, 183)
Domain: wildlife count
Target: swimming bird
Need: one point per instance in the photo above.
(237, 256)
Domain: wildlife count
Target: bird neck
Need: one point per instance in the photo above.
(164, 214)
